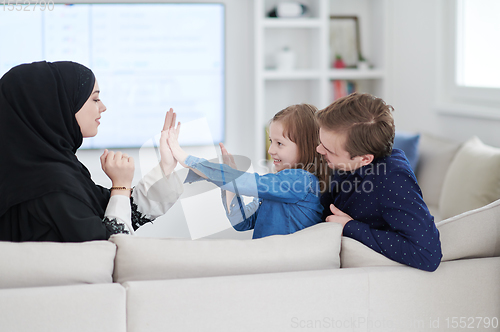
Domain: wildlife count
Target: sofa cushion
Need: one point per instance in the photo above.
(408, 142)
(77, 308)
(434, 210)
(435, 156)
(472, 234)
(393, 298)
(32, 264)
(355, 254)
(253, 303)
(313, 248)
(473, 179)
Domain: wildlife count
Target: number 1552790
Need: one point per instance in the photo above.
(26, 5)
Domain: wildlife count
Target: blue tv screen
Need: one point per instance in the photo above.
(146, 58)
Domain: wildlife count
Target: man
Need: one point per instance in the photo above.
(374, 193)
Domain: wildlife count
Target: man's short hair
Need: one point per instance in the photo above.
(366, 120)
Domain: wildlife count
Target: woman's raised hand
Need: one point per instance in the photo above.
(227, 158)
(119, 168)
(168, 162)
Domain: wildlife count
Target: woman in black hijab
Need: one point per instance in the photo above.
(46, 194)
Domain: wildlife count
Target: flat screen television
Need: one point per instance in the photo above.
(146, 58)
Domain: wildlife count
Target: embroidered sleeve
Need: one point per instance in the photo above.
(138, 218)
(115, 227)
(118, 209)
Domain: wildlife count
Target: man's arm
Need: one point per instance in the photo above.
(411, 237)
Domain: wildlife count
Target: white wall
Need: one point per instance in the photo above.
(414, 52)
(412, 88)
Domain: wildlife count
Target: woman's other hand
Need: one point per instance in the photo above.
(120, 169)
(168, 162)
(228, 159)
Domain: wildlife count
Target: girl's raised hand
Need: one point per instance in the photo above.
(168, 162)
(227, 158)
(173, 142)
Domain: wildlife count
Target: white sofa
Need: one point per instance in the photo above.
(311, 280)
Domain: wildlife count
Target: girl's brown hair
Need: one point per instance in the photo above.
(366, 120)
(300, 126)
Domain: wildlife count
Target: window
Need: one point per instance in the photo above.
(477, 46)
(146, 58)
(474, 50)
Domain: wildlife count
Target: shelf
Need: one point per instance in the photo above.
(270, 74)
(334, 74)
(476, 112)
(291, 23)
(311, 80)
(355, 74)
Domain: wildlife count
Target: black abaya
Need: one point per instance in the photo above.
(46, 194)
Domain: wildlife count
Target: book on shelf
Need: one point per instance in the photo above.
(342, 88)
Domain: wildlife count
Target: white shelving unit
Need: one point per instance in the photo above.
(308, 37)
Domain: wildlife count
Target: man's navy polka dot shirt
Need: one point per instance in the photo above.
(389, 213)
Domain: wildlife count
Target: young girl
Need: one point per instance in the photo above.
(286, 201)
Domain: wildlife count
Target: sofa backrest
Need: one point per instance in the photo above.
(139, 258)
(36, 264)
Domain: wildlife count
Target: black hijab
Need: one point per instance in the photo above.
(39, 134)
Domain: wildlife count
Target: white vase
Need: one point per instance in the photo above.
(363, 65)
